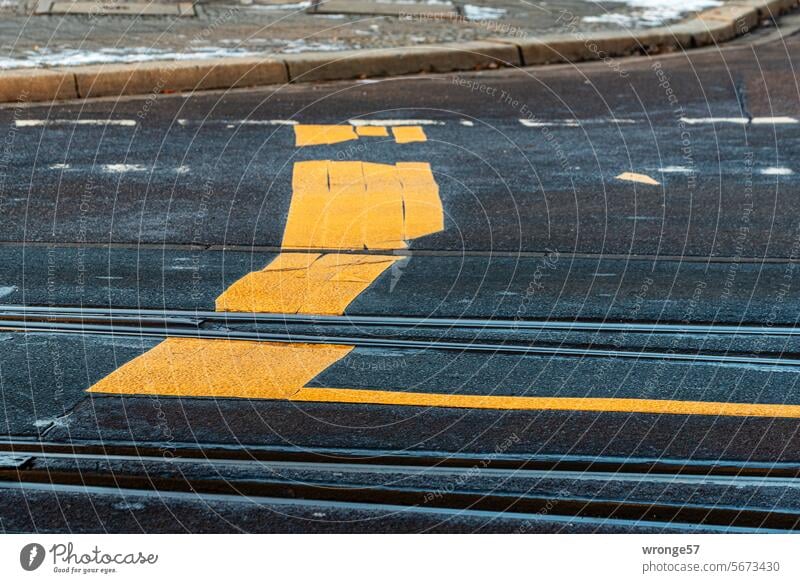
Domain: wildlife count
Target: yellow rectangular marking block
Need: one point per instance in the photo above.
(361, 205)
(384, 218)
(306, 283)
(279, 371)
(315, 135)
(408, 134)
(222, 368)
(372, 131)
(424, 214)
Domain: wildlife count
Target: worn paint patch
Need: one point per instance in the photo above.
(372, 131)
(408, 134)
(355, 205)
(315, 135)
(306, 283)
(640, 178)
(222, 368)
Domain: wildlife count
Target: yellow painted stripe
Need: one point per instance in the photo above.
(314, 135)
(306, 283)
(546, 403)
(372, 131)
(408, 134)
(190, 367)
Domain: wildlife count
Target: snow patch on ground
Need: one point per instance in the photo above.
(647, 12)
(473, 12)
(67, 57)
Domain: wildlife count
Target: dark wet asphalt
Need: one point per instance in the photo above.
(536, 227)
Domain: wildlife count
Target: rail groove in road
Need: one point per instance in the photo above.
(60, 465)
(409, 459)
(155, 324)
(197, 317)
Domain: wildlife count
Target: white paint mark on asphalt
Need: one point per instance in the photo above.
(776, 171)
(774, 120)
(573, 123)
(466, 122)
(7, 290)
(676, 170)
(605, 275)
(29, 123)
(58, 166)
(182, 170)
(122, 168)
(395, 122)
(535, 123)
(107, 277)
(642, 218)
(783, 120)
(52, 421)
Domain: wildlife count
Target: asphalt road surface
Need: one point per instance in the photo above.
(656, 191)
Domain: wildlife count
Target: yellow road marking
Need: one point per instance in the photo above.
(546, 403)
(189, 367)
(314, 135)
(640, 178)
(372, 131)
(320, 134)
(335, 205)
(354, 205)
(423, 206)
(306, 283)
(408, 134)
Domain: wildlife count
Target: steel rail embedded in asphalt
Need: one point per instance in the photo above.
(190, 317)
(44, 327)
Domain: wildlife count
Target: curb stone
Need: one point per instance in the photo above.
(712, 26)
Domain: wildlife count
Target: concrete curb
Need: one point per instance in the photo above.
(707, 28)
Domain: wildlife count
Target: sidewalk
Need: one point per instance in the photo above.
(224, 28)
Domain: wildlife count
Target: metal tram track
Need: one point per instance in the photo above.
(209, 471)
(352, 330)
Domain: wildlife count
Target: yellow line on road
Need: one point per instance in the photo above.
(545, 403)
